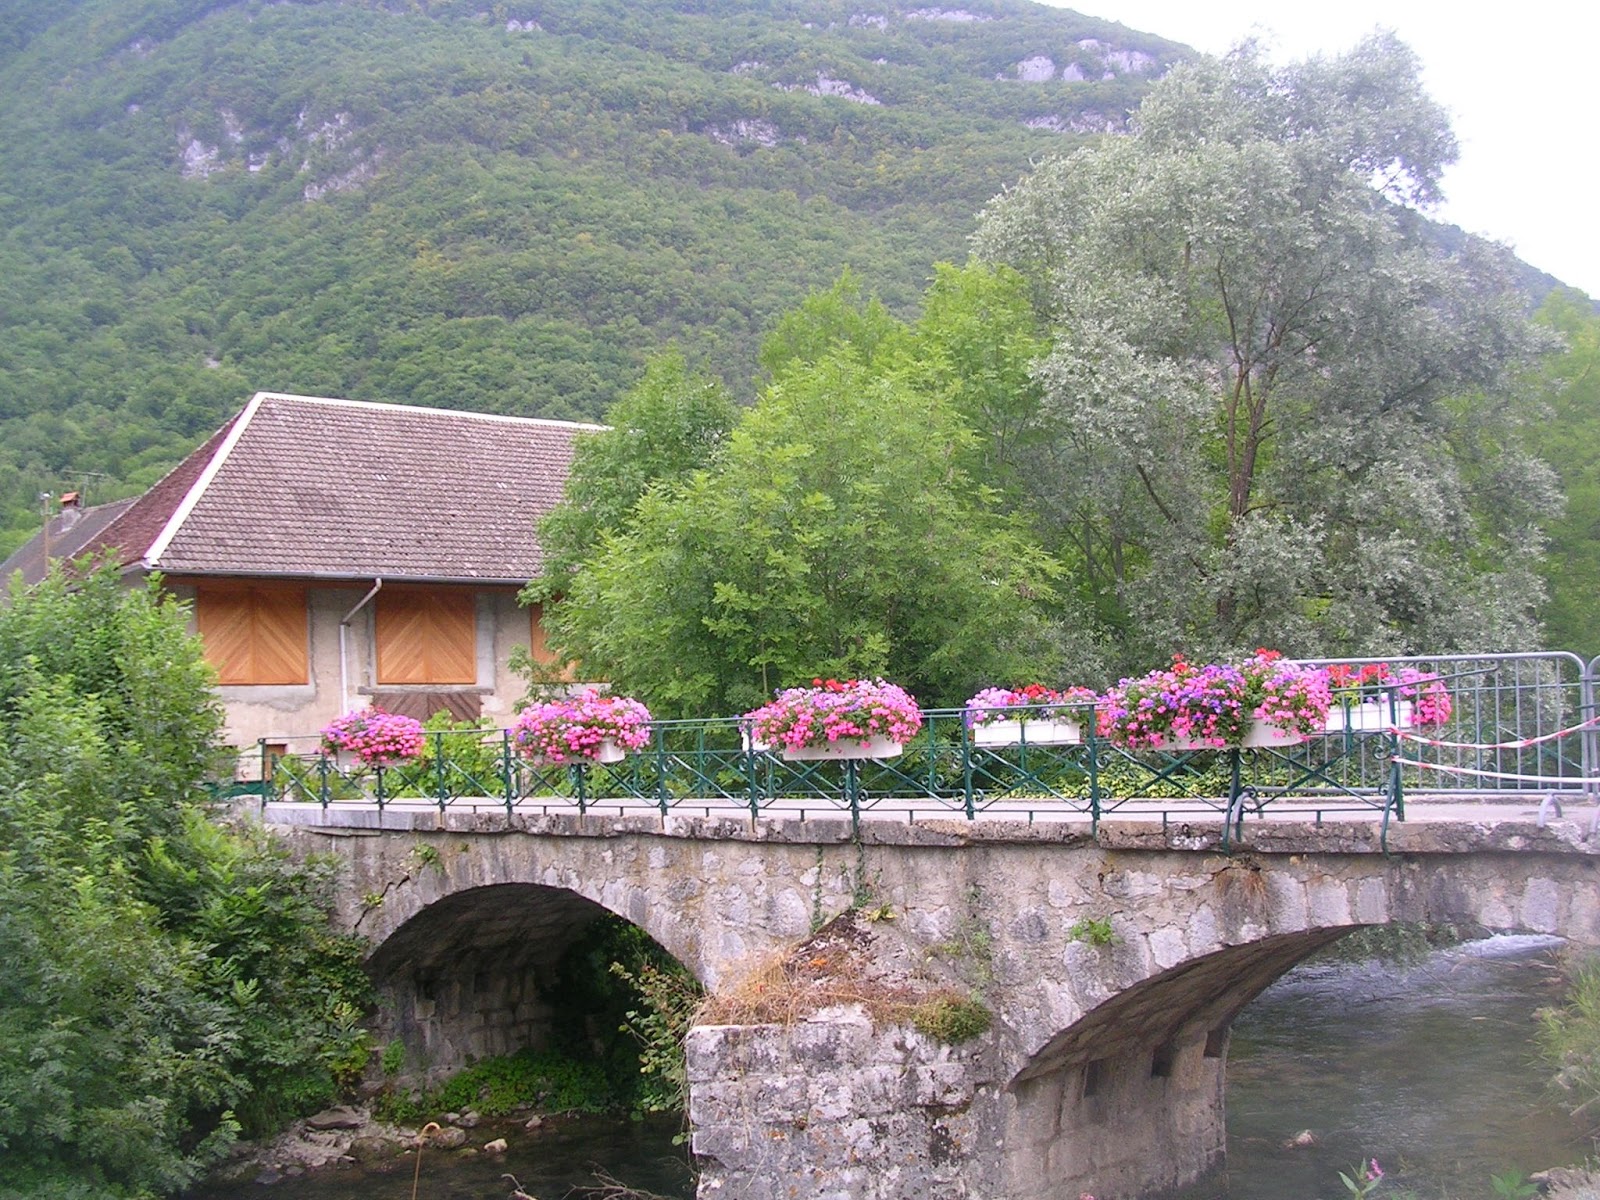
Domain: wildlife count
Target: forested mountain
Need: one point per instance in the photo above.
(504, 207)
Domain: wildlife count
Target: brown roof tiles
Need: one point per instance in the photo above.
(310, 487)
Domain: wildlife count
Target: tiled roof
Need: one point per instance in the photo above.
(310, 487)
(70, 533)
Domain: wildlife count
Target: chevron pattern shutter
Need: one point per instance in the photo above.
(254, 635)
(427, 636)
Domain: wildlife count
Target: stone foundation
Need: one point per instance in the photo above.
(831, 1108)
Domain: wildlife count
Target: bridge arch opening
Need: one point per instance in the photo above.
(496, 970)
(1136, 1085)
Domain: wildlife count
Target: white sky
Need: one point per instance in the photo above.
(1522, 91)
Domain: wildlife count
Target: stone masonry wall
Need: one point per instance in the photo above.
(834, 1108)
(1102, 1072)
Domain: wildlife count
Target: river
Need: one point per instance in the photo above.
(1428, 1068)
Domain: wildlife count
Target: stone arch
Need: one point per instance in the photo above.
(657, 884)
(1131, 1094)
(469, 976)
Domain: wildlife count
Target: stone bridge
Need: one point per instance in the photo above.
(1103, 1069)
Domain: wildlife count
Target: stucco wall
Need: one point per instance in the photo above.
(293, 714)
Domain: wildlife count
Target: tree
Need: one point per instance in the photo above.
(1272, 412)
(668, 425)
(837, 534)
(166, 981)
(1569, 385)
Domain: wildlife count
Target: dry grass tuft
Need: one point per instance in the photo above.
(832, 967)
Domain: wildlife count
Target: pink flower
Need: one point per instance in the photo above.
(855, 710)
(573, 728)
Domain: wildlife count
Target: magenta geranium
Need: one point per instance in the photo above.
(577, 728)
(832, 711)
(1216, 703)
(377, 738)
(1430, 699)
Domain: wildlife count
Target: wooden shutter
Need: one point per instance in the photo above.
(539, 650)
(254, 635)
(427, 636)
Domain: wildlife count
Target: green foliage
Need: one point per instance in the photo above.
(635, 1003)
(547, 1080)
(410, 203)
(952, 1019)
(668, 998)
(1569, 1038)
(1363, 1179)
(1567, 392)
(1097, 931)
(972, 944)
(1513, 1185)
(1273, 412)
(457, 757)
(167, 982)
(393, 1058)
(667, 426)
(837, 534)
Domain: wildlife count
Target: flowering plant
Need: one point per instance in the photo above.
(376, 737)
(1214, 703)
(1428, 695)
(830, 711)
(1035, 702)
(1423, 690)
(1353, 683)
(572, 729)
(1287, 696)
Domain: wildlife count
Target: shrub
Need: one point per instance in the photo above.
(952, 1019)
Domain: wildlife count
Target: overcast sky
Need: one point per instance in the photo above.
(1523, 95)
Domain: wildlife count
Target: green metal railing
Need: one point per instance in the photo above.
(1518, 727)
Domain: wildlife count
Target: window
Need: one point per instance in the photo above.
(427, 636)
(253, 634)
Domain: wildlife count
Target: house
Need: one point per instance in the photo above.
(338, 553)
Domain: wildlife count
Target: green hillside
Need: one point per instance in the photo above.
(504, 210)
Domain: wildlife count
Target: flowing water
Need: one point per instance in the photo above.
(1429, 1068)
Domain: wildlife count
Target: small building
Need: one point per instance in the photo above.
(338, 553)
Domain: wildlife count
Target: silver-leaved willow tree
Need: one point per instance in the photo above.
(1274, 410)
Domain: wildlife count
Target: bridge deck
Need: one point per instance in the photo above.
(1451, 823)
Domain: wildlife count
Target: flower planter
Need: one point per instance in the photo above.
(874, 747)
(1059, 732)
(1370, 716)
(1261, 736)
(1258, 735)
(607, 752)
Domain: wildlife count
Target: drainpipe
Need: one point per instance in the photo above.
(344, 664)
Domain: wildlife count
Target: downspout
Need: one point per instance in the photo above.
(344, 664)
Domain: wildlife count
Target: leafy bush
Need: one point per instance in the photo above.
(544, 1079)
(952, 1019)
(167, 981)
(1569, 1038)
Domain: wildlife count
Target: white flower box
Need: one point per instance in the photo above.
(1370, 716)
(1058, 732)
(873, 747)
